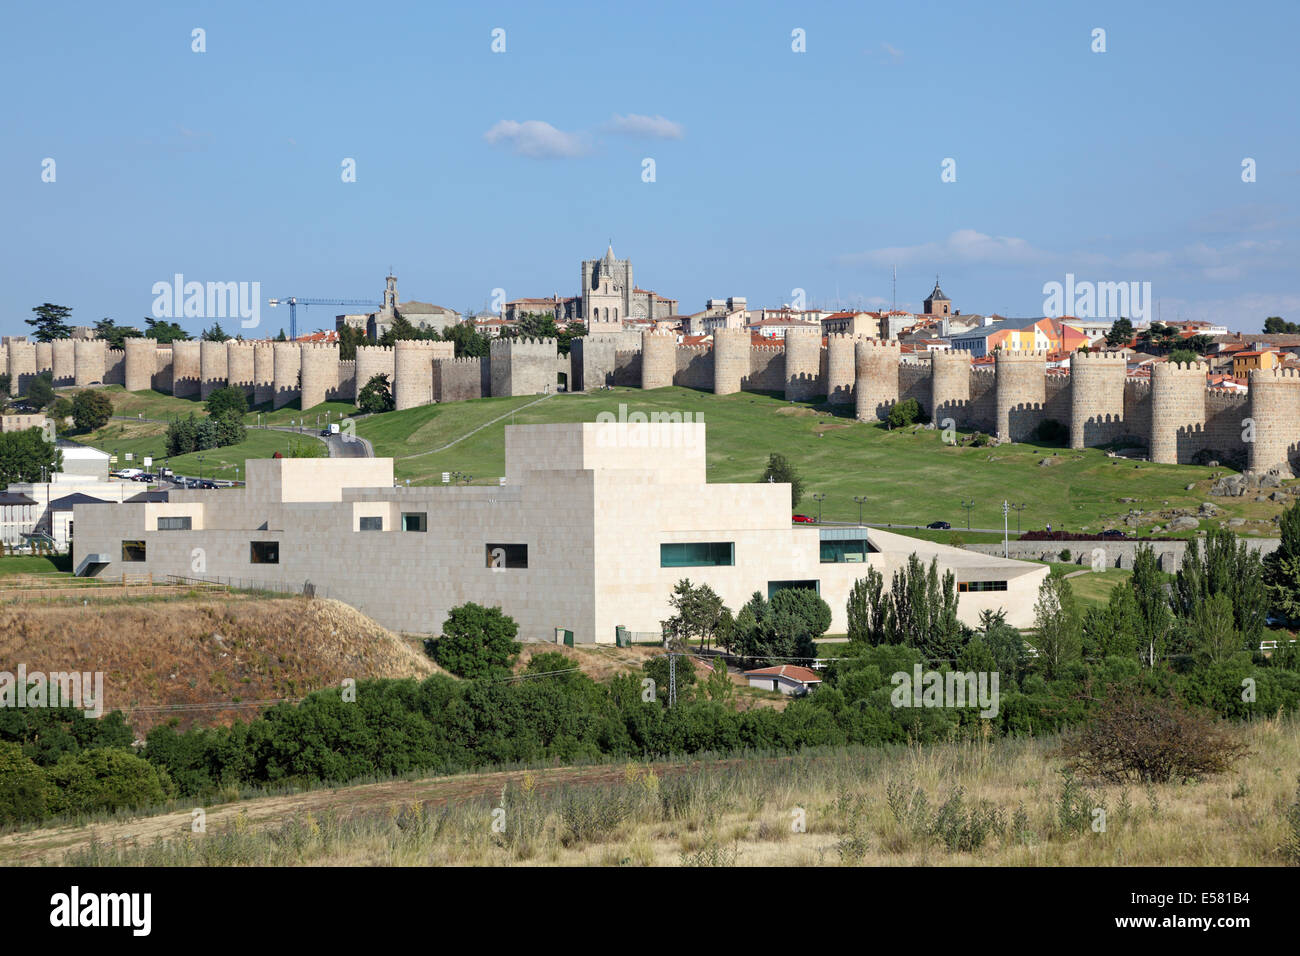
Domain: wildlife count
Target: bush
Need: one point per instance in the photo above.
(40, 390)
(228, 400)
(1065, 554)
(376, 395)
(477, 641)
(904, 413)
(1136, 736)
(25, 790)
(107, 779)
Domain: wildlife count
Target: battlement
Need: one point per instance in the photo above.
(406, 345)
(463, 360)
(1288, 376)
(506, 345)
(842, 337)
(1169, 369)
(694, 349)
(1099, 358)
(1012, 355)
(319, 346)
(767, 349)
(958, 357)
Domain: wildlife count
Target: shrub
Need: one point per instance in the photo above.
(91, 409)
(904, 413)
(477, 641)
(376, 396)
(25, 790)
(1137, 736)
(227, 400)
(1065, 554)
(107, 779)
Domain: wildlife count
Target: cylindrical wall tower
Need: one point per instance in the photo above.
(287, 364)
(1096, 397)
(841, 368)
(412, 373)
(263, 373)
(212, 367)
(239, 366)
(876, 389)
(658, 359)
(803, 365)
(22, 366)
(320, 373)
(730, 360)
(141, 360)
(374, 360)
(1275, 409)
(1177, 405)
(89, 358)
(44, 357)
(64, 361)
(949, 387)
(1021, 393)
(186, 366)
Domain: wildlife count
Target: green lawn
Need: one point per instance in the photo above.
(34, 564)
(908, 477)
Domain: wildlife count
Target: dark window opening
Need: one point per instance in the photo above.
(415, 521)
(964, 586)
(697, 554)
(372, 524)
(133, 551)
(507, 556)
(774, 586)
(264, 552)
(176, 523)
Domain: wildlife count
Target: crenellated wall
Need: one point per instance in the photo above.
(766, 369)
(876, 388)
(694, 367)
(1021, 393)
(523, 366)
(413, 371)
(141, 364)
(319, 366)
(63, 362)
(1177, 410)
(950, 397)
(186, 365)
(212, 367)
(375, 360)
(658, 360)
(461, 379)
(263, 373)
(89, 358)
(1096, 398)
(803, 365)
(241, 366)
(730, 360)
(841, 369)
(287, 365)
(115, 367)
(1275, 413)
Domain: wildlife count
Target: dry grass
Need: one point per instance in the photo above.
(855, 806)
(181, 653)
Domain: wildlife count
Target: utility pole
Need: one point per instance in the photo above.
(1006, 513)
(1018, 508)
(819, 499)
(672, 679)
(968, 505)
(860, 499)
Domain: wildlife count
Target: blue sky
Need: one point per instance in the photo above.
(775, 170)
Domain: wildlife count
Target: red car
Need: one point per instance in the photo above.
(804, 519)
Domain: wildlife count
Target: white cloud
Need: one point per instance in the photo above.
(964, 245)
(652, 127)
(536, 139)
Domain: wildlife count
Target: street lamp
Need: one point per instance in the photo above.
(200, 467)
(860, 499)
(1018, 508)
(819, 499)
(1006, 512)
(968, 505)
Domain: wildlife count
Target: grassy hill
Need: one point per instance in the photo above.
(909, 476)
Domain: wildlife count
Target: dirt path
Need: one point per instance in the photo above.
(52, 845)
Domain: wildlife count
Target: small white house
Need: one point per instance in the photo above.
(787, 678)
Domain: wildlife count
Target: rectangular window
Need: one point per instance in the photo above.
(264, 552)
(507, 556)
(177, 523)
(415, 521)
(372, 523)
(697, 554)
(133, 551)
(774, 586)
(848, 551)
(963, 586)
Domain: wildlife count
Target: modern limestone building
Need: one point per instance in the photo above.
(593, 526)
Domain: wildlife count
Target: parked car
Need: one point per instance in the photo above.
(205, 483)
(804, 519)
(939, 526)
(1113, 533)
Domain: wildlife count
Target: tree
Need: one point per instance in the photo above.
(1230, 567)
(1120, 334)
(107, 778)
(1005, 643)
(1056, 619)
(229, 429)
(164, 332)
(1215, 637)
(40, 390)
(227, 400)
(780, 470)
(349, 338)
(805, 604)
(698, 613)
(25, 790)
(1282, 566)
(376, 395)
(1276, 325)
(766, 635)
(1154, 619)
(904, 413)
(6, 384)
(91, 409)
(477, 641)
(214, 334)
(1184, 356)
(470, 342)
(115, 335)
(867, 609)
(51, 322)
(26, 456)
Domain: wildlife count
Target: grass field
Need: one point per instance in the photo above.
(908, 477)
(844, 806)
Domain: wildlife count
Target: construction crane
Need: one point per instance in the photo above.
(294, 301)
